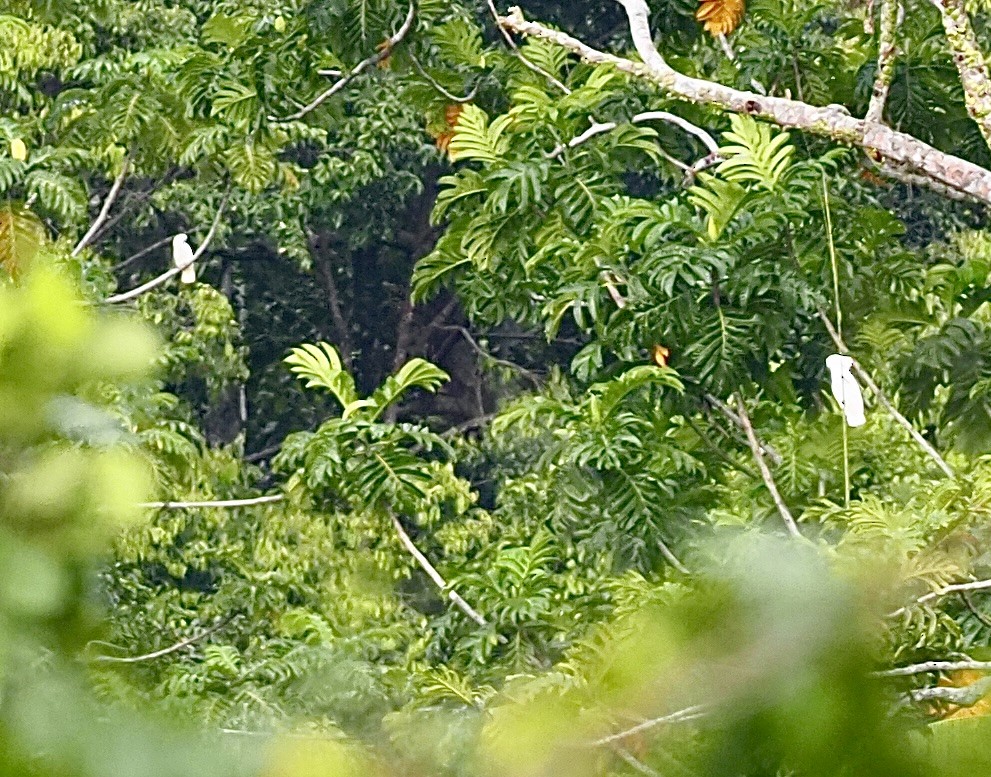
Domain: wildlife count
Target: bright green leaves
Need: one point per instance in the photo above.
(757, 153)
(320, 367)
(719, 200)
(366, 462)
(476, 139)
(230, 31)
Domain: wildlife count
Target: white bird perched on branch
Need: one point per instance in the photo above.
(846, 389)
(182, 257)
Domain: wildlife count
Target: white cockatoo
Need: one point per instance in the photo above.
(182, 257)
(846, 389)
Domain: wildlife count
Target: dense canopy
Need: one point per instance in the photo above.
(501, 413)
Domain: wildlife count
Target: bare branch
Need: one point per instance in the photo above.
(932, 666)
(531, 376)
(158, 281)
(434, 575)
(967, 696)
(886, 52)
(164, 651)
(868, 381)
(971, 64)
(881, 142)
(686, 714)
(976, 585)
(766, 449)
(366, 63)
(765, 473)
(635, 763)
(143, 252)
(436, 85)
(519, 54)
(257, 500)
(105, 210)
(671, 558)
(599, 128)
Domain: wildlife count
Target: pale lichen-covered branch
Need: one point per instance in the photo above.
(887, 50)
(970, 62)
(882, 143)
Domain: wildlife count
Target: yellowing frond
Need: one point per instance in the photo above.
(720, 17)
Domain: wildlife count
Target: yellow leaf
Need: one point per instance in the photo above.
(720, 17)
(18, 150)
(660, 355)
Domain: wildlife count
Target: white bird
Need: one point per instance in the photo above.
(182, 257)
(846, 389)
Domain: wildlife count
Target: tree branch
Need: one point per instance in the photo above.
(599, 128)
(932, 666)
(434, 575)
(902, 421)
(967, 696)
(256, 500)
(886, 52)
(105, 210)
(519, 54)
(366, 63)
(976, 585)
(765, 473)
(766, 449)
(686, 714)
(164, 651)
(440, 88)
(158, 281)
(881, 142)
(971, 65)
(123, 265)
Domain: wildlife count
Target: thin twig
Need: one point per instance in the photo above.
(143, 252)
(686, 714)
(635, 763)
(599, 128)
(158, 281)
(164, 651)
(902, 421)
(671, 558)
(765, 473)
(968, 602)
(439, 87)
(976, 585)
(523, 371)
(519, 54)
(711, 444)
(765, 448)
(256, 500)
(434, 575)
(366, 63)
(105, 210)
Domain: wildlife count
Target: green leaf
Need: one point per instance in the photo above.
(320, 367)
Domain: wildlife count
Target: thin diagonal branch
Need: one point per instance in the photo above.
(683, 715)
(105, 209)
(966, 696)
(975, 585)
(766, 449)
(164, 651)
(519, 54)
(158, 281)
(256, 500)
(886, 53)
(970, 61)
(123, 265)
(440, 88)
(868, 381)
(434, 575)
(880, 141)
(358, 69)
(765, 473)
